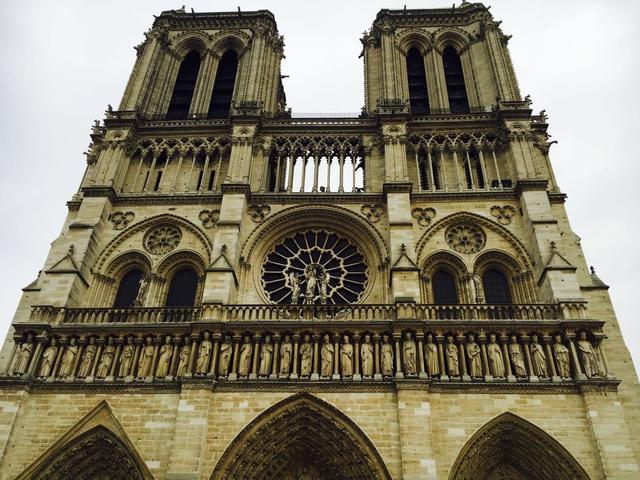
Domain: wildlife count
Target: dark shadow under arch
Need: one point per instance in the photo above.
(301, 432)
(512, 443)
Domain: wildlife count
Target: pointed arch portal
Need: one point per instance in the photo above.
(301, 437)
(509, 447)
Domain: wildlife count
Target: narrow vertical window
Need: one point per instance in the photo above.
(223, 85)
(444, 288)
(128, 289)
(182, 289)
(418, 96)
(184, 86)
(454, 78)
(496, 287)
(212, 177)
(156, 187)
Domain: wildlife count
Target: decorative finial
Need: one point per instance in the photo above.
(553, 245)
(223, 250)
(593, 270)
(403, 249)
(71, 250)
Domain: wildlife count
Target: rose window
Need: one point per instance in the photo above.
(162, 239)
(314, 268)
(465, 238)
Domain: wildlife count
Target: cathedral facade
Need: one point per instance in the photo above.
(240, 293)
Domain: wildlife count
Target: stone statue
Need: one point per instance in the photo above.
(323, 281)
(286, 350)
(473, 353)
(145, 363)
(204, 353)
(266, 355)
(106, 361)
(409, 354)
(346, 357)
(226, 350)
(431, 350)
(386, 357)
(126, 358)
(538, 357)
(185, 356)
(164, 361)
(326, 357)
(366, 356)
(453, 361)
(68, 359)
(306, 353)
(87, 359)
(494, 356)
(561, 354)
(48, 359)
(246, 351)
(143, 285)
(24, 354)
(310, 275)
(517, 360)
(294, 285)
(588, 356)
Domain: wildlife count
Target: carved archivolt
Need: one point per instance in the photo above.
(454, 36)
(414, 37)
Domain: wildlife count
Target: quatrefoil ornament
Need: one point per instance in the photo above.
(373, 211)
(423, 215)
(209, 218)
(503, 214)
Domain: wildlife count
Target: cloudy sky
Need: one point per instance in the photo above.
(64, 61)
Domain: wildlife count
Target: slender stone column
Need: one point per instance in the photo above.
(214, 185)
(396, 341)
(100, 342)
(329, 158)
(457, 168)
(204, 172)
(192, 356)
(466, 154)
(439, 339)
(356, 358)
(336, 358)
(316, 170)
(546, 339)
(294, 367)
(443, 169)
(577, 368)
(7, 367)
(315, 374)
(341, 163)
(235, 360)
(276, 357)
(112, 372)
(483, 168)
(421, 371)
(35, 358)
(504, 339)
(304, 172)
(175, 357)
(151, 169)
(214, 355)
(377, 376)
(63, 342)
(463, 358)
(292, 167)
(527, 355)
(256, 354)
(482, 340)
(495, 165)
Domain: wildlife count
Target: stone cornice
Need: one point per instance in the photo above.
(181, 20)
(530, 184)
(397, 187)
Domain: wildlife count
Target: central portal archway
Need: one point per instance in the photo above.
(301, 437)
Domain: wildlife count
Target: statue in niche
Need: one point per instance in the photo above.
(431, 350)
(346, 357)
(87, 359)
(538, 357)
(22, 363)
(494, 356)
(306, 353)
(386, 357)
(588, 356)
(145, 363)
(126, 358)
(473, 353)
(286, 350)
(143, 285)
(48, 359)
(106, 361)
(164, 360)
(294, 285)
(203, 354)
(366, 356)
(68, 359)
(453, 360)
(323, 282)
(266, 355)
(226, 349)
(561, 354)
(312, 281)
(326, 357)
(185, 356)
(517, 360)
(409, 354)
(246, 351)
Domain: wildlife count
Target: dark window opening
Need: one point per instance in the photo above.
(222, 94)
(185, 85)
(473, 175)
(423, 174)
(158, 179)
(182, 290)
(200, 174)
(128, 289)
(496, 287)
(444, 288)
(212, 177)
(418, 95)
(272, 173)
(454, 78)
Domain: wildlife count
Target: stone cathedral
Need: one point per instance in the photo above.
(238, 292)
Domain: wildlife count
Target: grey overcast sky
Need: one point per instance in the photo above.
(64, 61)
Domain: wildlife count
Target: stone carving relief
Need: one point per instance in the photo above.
(465, 238)
(162, 239)
(373, 211)
(209, 218)
(503, 214)
(588, 356)
(423, 215)
(121, 220)
(258, 212)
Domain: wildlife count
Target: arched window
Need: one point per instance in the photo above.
(473, 175)
(128, 289)
(457, 92)
(223, 86)
(182, 289)
(418, 97)
(184, 86)
(444, 288)
(496, 287)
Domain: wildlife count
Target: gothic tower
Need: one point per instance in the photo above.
(239, 293)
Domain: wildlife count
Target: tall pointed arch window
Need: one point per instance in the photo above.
(128, 289)
(454, 78)
(222, 94)
(183, 287)
(184, 86)
(418, 96)
(444, 288)
(496, 287)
